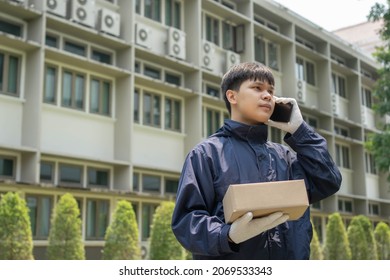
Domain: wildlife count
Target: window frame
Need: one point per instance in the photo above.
(96, 234)
(37, 228)
(13, 159)
(101, 107)
(5, 73)
(73, 97)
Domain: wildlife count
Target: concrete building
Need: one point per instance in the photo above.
(103, 99)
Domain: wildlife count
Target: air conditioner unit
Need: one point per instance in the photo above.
(301, 91)
(208, 55)
(176, 44)
(143, 35)
(109, 22)
(145, 250)
(231, 59)
(83, 12)
(56, 7)
(335, 104)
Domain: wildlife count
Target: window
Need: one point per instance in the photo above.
(152, 72)
(305, 70)
(40, 208)
(98, 177)
(172, 114)
(367, 97)
(373, 209)
(152, 109)
(276, 135)
(11, 28)
(305, 43)
(75, 48)
(345, 205)
(213, 91)
(136, 106)
(151, 183)
(51, 41)
(370, 163)
(100, 98)
(46, 172)
(341, 131)
(338, 85)
(152, 9)
(7, 166)
(101, 56)
(171, 186)
(267, 53)
(136, 183)
(212, 30)
(173, 13)
(73, 88)
(50, 84)
(174, 79)
(9, 73)
(313, 122)
(147, 219)
(71, 174)
(212, 121)
(97, 219)
(342, 156)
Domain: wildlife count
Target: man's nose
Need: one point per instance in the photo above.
(266, 95)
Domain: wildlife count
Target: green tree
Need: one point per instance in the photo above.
(357, 240)
(122, 234)
(315, 247)
(378, 143)
(15, 228)
(163, 243)
(368, 229)
(336, 243)
(65, 239)
(382, 240)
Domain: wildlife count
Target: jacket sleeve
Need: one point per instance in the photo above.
(313, 163)
(193, 223)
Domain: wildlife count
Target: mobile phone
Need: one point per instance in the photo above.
(282, 112)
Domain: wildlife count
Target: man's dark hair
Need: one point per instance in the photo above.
(242, 72)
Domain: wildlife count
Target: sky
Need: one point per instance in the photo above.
(332, 14)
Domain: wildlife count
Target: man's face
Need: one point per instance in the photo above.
(253, 103)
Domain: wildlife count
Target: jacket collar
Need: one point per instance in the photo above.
(250, 133)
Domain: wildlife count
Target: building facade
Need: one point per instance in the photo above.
(104, 99)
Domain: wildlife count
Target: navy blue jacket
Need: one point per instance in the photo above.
(236, 154)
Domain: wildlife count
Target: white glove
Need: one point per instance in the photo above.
(246, 227)
(296, 116)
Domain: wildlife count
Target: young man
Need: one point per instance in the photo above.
(239, 152)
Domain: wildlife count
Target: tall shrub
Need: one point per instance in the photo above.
(357, 240)
(368, 230)
(15, 228)
(336, 243)
(382, 240)
(315, 247)
(122, 234)
(163, 243)
(65, 239)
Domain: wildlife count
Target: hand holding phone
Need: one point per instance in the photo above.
(286, 115)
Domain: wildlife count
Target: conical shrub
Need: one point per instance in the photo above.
(65, 239)
(122, 234)
(163, 243)
(357, 240)
(336, 243)
(315, 247)
(15, 228)
(382, 240)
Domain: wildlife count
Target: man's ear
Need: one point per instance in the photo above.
(231, 96)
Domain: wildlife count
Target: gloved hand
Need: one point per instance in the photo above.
(246, 227)
(296, 116)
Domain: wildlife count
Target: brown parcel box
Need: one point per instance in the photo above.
(261, 199)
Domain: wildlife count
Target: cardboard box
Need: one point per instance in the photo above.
(262, 199)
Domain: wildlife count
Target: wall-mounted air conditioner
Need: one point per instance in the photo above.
(301, 91)
(208, 59)
(56, 7)
(143, 35)
(145, 250)
(176, 44)
(335, 104)
(83, 12)
(109, 22)
(231, 59)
